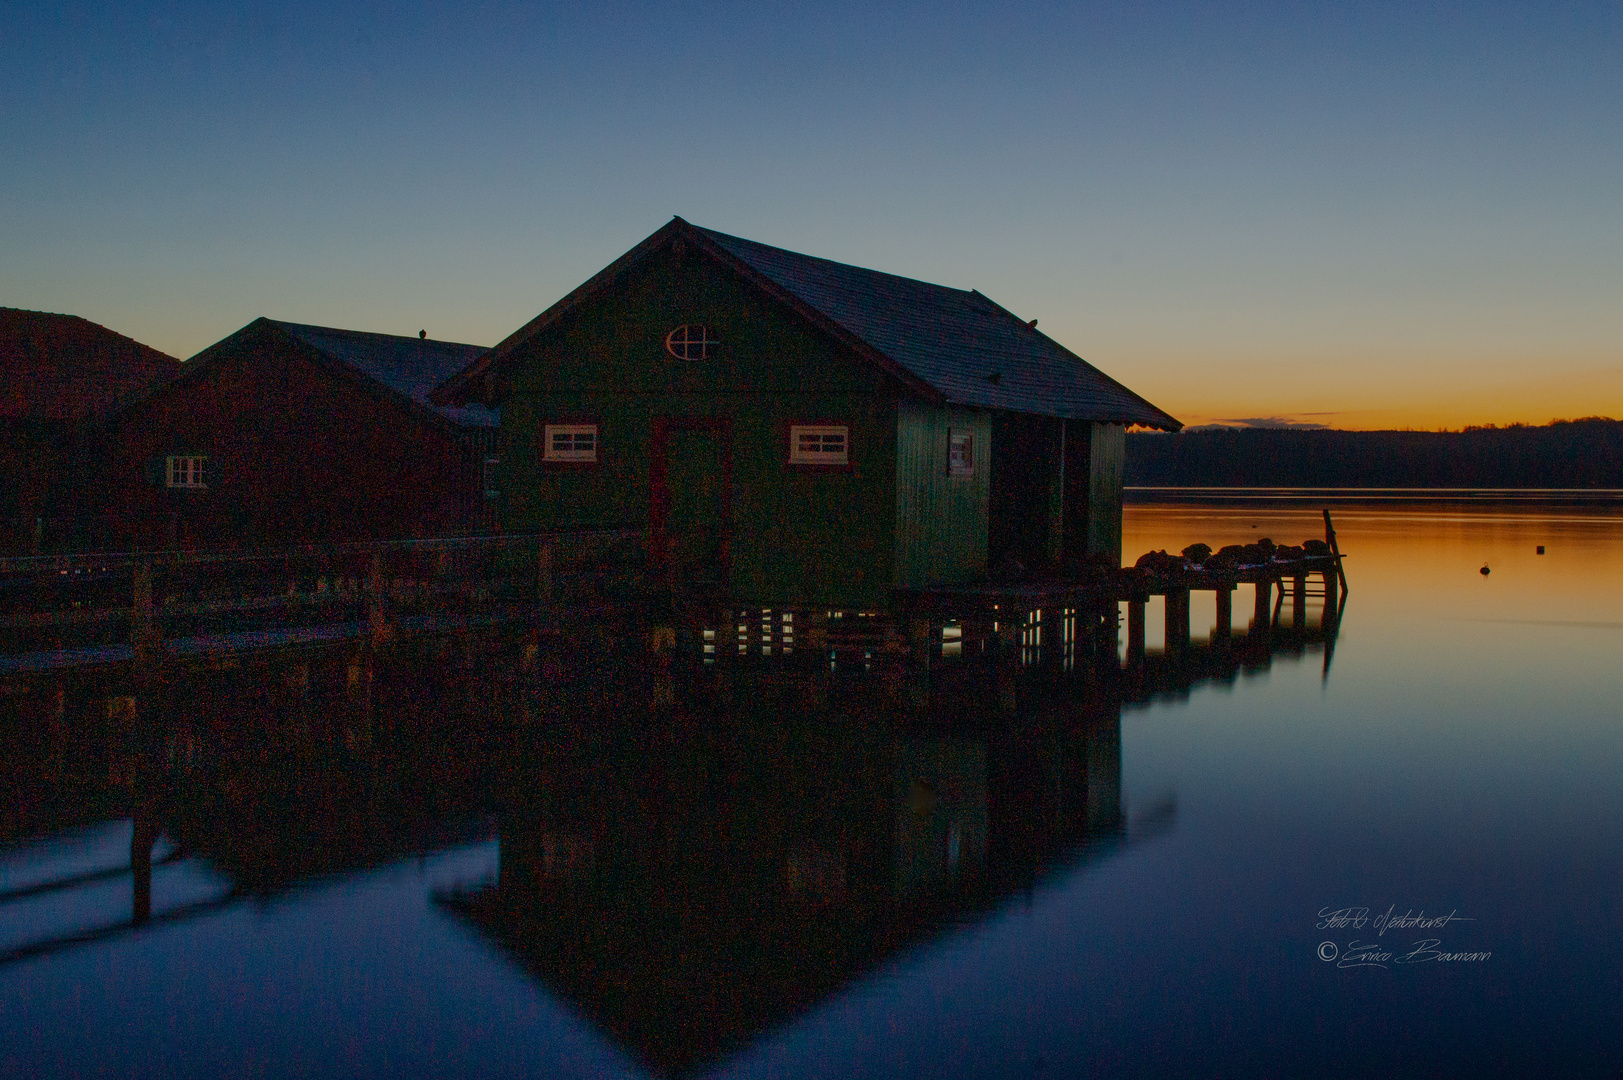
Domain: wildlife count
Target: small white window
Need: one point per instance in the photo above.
(569, 442)
(184, 471)
(960, 452)
(819, 444)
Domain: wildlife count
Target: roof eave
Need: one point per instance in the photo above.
(1166, 421)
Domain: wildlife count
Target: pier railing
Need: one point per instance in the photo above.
(117, 606)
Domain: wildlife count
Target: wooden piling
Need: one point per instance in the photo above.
(1177, 620)
(1052, 654)
(1335, 549)
(376, 625)
(1225, 611)
(145, 638)
(1135, 631)
(543, 570)
(1262, 618)
(920, 643)
(1332, 599)
(1299, 601)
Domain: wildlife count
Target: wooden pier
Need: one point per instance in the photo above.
(587, 597)
(153, 611)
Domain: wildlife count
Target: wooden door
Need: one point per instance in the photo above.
(691, 512)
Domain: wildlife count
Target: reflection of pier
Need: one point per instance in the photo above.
(144, 838)
(691, 853)
(233, 788)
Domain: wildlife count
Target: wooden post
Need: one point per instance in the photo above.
(1225, 610)
(1332, 599)
(144, 636)
(1109, 633)
(1005, 646)
(1299, 601)
(1335, 549)
(1135, 631)
(1052, 654)
(1177, 620)
(1262, 619)
(918, 633)
(376, 627)
(543, 571)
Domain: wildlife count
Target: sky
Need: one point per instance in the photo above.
(1361, 216)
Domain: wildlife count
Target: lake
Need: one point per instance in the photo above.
(1391, 850)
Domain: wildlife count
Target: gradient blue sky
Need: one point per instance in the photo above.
(1387, 215)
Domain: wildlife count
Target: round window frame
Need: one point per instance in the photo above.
(705, 342)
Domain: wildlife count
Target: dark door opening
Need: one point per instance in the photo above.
(690, 541)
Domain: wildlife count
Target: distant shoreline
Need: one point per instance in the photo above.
(1569, 461)
(1544, 496)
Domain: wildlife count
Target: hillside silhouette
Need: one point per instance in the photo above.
(1586, 453)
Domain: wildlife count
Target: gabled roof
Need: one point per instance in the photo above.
(62, 367)
(410, 366)
(948, 345)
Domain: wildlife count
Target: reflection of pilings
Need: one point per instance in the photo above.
(103, 933)
(1221, 661)
(143, 837)
(90, 877)
(1103, 807)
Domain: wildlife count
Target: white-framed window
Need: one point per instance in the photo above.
(691, 341)
(960, 452)
(569, 442)
(184, 471)
(819, 444)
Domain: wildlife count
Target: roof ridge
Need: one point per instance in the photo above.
(94, 326)
(372, 334)
(718, 235)
(935, 340)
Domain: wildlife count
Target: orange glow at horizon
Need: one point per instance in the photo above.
(1425, 394)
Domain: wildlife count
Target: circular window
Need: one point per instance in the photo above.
(691, 341)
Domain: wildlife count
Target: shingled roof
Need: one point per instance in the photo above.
(61, 367)
(949, 345)
(411, 366)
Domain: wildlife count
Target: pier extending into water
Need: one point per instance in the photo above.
(148, 614)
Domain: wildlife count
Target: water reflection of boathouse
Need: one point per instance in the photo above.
(688, 898)
(689, 870)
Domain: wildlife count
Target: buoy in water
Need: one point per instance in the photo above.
(1485, 570)
(1541, 549)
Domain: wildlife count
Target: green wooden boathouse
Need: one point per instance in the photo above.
(792, 431)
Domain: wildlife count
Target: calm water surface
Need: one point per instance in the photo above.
(591, 875)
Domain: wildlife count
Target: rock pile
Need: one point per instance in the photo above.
(1234, 556)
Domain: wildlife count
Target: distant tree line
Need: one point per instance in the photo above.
(1585, 453)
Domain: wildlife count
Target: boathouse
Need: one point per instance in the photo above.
(284, 433)
(791, 430)
(57, 374)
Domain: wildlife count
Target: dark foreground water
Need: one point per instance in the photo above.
(1220, 872)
